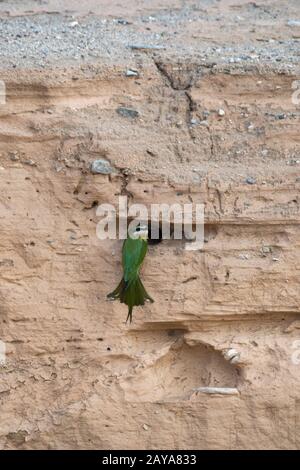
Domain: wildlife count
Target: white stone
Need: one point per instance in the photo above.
(131, 73)
(231, 355)
(217, 390)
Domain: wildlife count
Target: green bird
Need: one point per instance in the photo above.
(131, 291)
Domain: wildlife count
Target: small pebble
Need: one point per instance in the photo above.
(122, 21)
(14, 156)
(29, 162)
(131, 73)
(250, 180)
(221, 112)
(293, 23)
(145, 47)
(102, 167)
(232, 355)
(293, 162)
(127, 112)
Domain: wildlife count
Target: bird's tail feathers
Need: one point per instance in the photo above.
(131, 293)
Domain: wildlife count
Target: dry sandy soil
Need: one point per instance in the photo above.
(211, 116)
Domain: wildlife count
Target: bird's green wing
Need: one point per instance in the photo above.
(133, 254)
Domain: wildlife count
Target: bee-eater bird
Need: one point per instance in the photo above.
(131, 291)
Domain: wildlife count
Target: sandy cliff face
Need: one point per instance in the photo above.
(216, 131)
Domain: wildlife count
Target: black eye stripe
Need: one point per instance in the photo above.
(140, 228)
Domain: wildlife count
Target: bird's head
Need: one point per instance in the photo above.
(140, 231)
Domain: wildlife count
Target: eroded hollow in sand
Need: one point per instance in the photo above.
(178, 373)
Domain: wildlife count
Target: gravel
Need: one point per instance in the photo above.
(188, 32)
